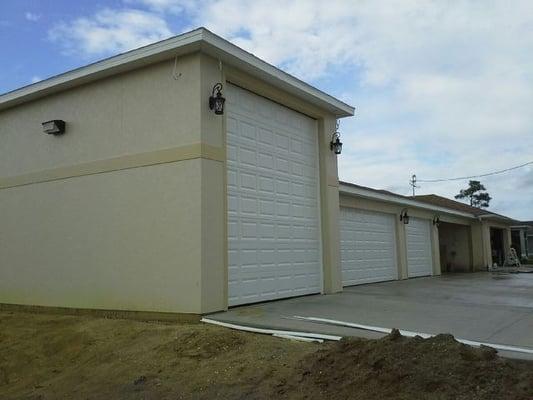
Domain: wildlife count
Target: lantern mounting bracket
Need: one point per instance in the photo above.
(336, 145)
(216, 101)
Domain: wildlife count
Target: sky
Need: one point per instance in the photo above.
(441, 88)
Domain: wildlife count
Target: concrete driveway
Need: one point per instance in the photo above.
(476, 306)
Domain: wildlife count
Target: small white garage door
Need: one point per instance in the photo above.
(419, 260)
(273, 211)
(368, 247)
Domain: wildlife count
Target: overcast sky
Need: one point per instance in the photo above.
(441, 88)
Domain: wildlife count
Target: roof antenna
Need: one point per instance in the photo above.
(412, 183)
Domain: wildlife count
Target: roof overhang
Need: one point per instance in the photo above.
(198, 40)
(496, 217)
(387, 198)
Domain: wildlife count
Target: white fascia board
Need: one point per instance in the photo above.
(368, 194)
(243, 60)
(197, 40)
(496, 217)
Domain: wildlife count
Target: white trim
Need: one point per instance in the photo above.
(370, 194)
(424, 335)
(123, 62)
(298, 338)
(494, 216)
(197, 40)
(271, 331)
(228, 52)
(319, 209)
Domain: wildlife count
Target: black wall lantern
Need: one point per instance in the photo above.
(404, 217)
(54, 127)
(216, 101)
(336, 144)
(436, 220)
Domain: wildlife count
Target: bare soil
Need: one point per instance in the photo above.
(66, 357)
(397, 367)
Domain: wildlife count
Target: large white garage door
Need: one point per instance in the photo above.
(419, 260)
(368, 247)
(273, 211)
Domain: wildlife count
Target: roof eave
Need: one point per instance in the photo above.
(231, 54)
(150, 54)
(524, 227)
(197, 40)
(497, 218)
(387, 198)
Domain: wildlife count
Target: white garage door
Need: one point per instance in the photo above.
(419, 260)
(273, 211)
(368, 247)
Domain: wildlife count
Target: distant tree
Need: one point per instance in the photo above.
(476, 194)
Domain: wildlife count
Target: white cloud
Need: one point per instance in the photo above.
(32, 16)
(170, 6)
(441, 88)
(36, 79)
(110, 31)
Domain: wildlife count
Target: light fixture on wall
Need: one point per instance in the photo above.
(336, 144)
(216, 101)
(404, 217)
(54, 127)
(436, 220)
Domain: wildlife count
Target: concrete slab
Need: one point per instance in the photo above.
(476, 306)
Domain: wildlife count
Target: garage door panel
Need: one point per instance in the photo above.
(297, 214)
(419, 258)
(272, 200)
(266, 136)
(282, 175)
(368, 247)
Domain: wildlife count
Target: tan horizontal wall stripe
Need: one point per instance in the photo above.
(189, 152)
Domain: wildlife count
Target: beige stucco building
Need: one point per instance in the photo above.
(131, 208)
(151, 202)
(439, 236)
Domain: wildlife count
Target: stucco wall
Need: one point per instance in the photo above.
(126, 240)
(140, 111)
(127, 210)
(478, 239)
(118, 226)
(214, 229)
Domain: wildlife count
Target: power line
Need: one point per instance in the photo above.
(475, 176)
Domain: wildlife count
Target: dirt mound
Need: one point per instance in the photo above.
(208, 343)
(396, 367)
(60, 357)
